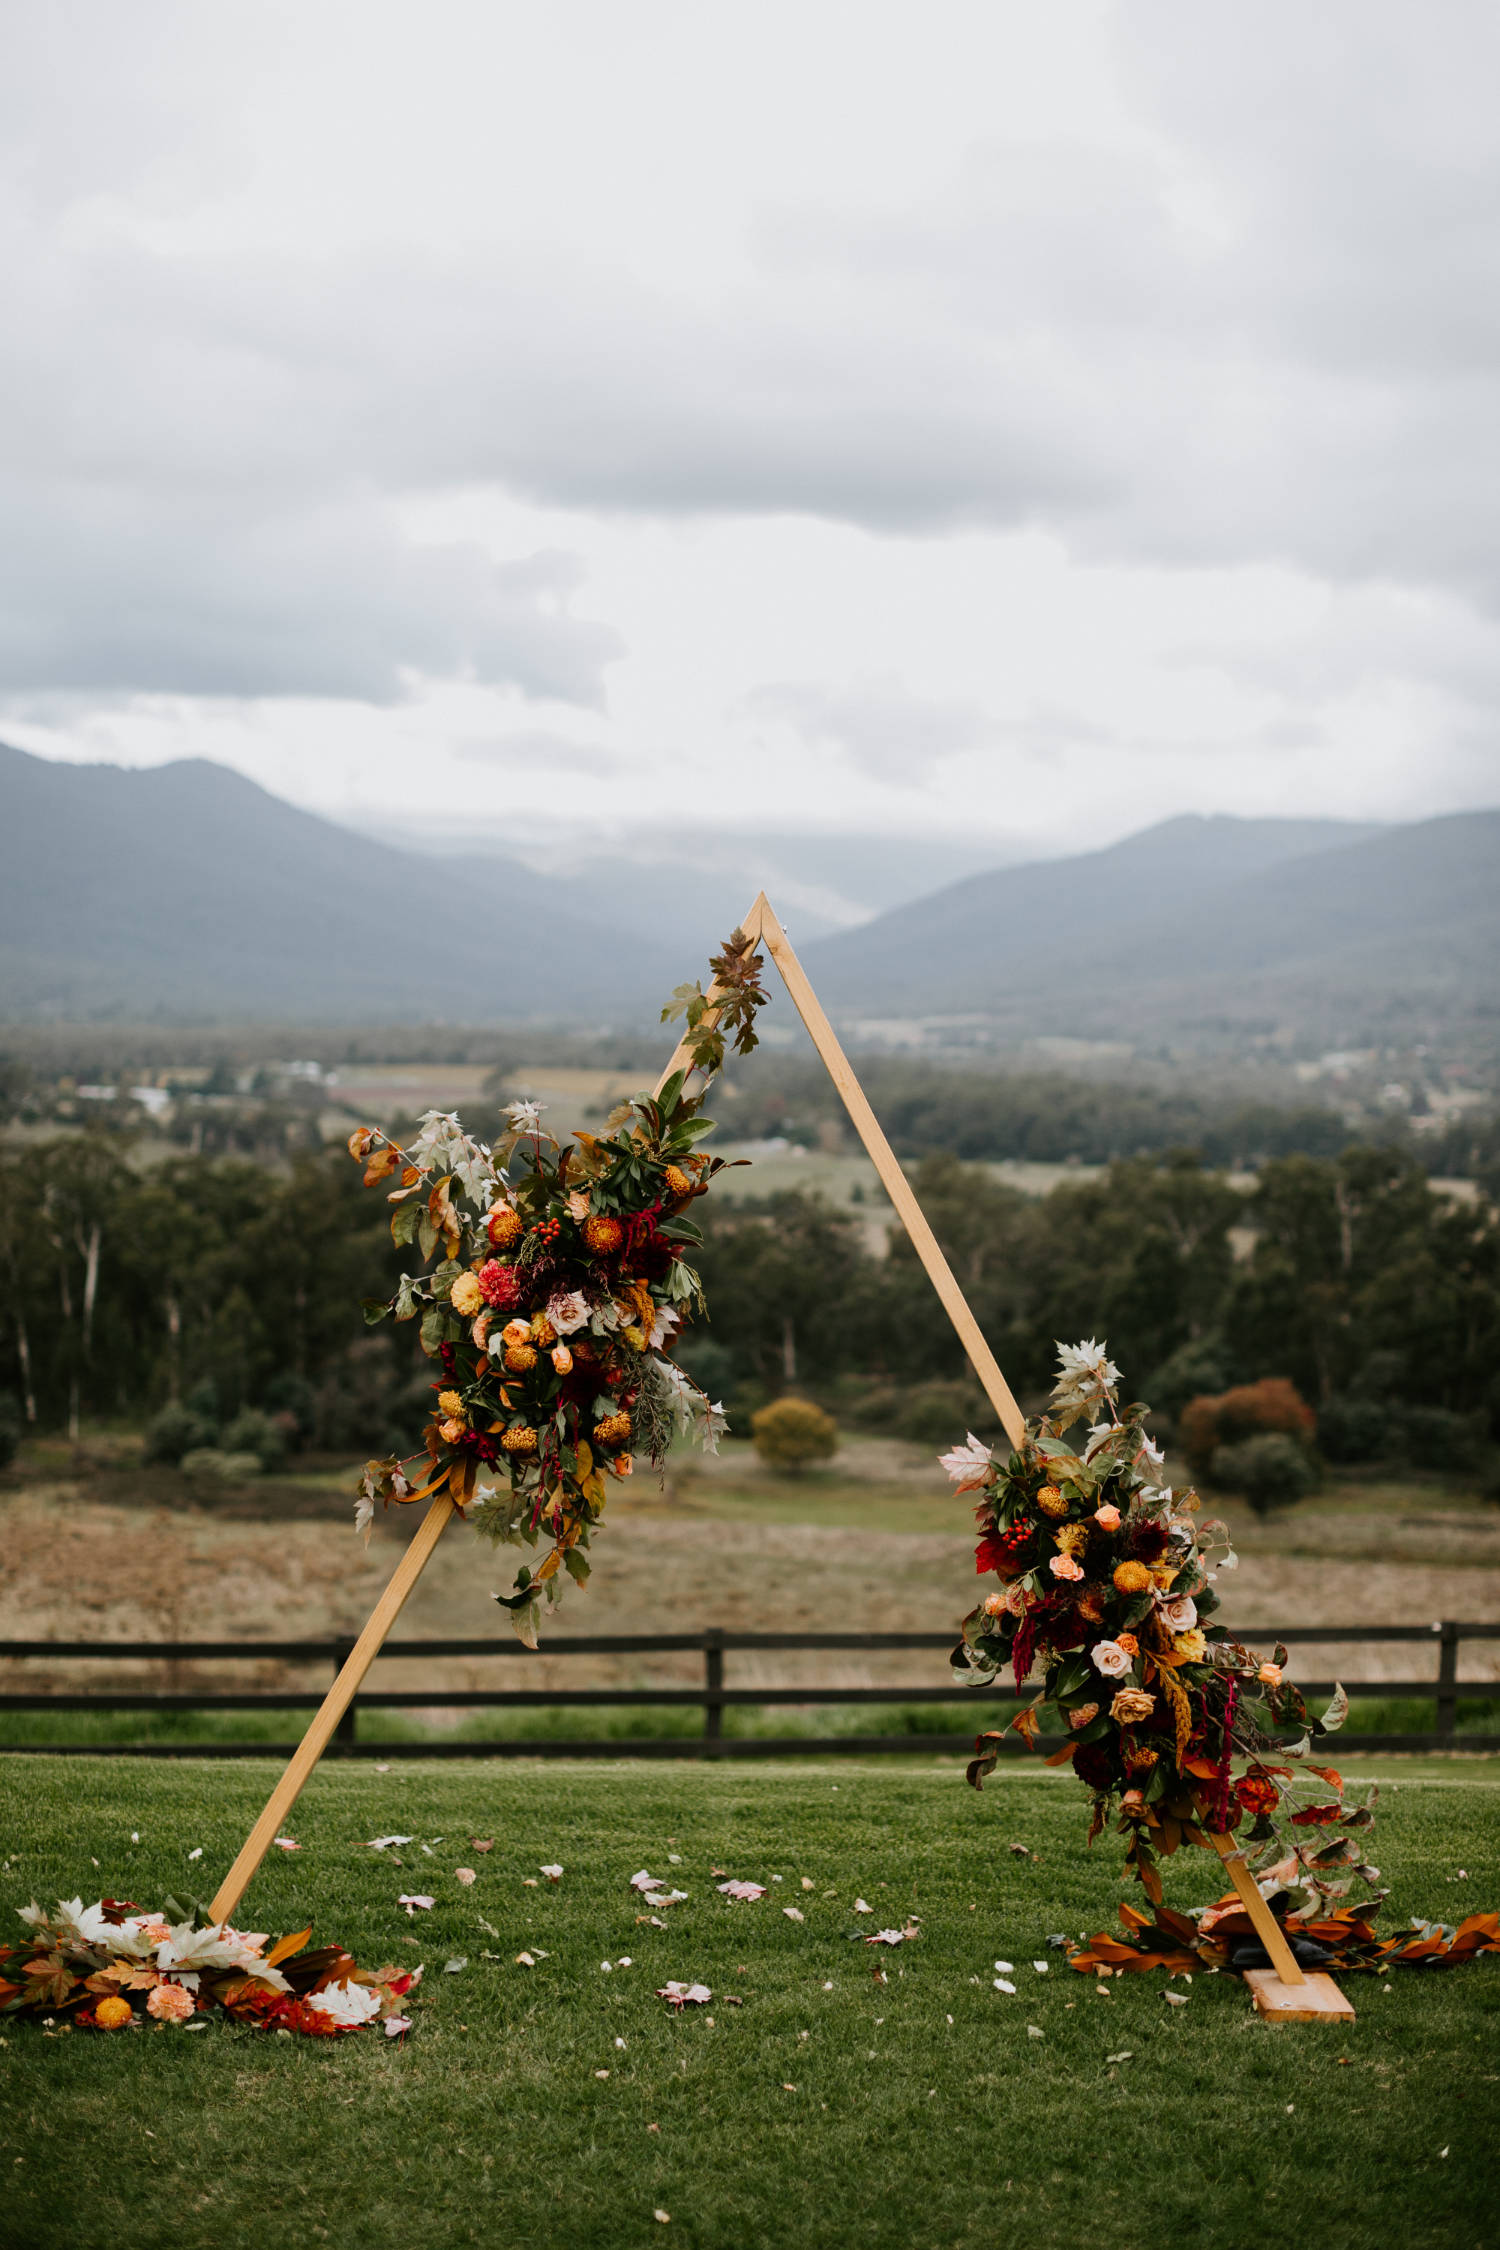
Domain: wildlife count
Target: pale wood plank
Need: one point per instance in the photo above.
(1267, 1928)
(363, 1654)
(892, 1178)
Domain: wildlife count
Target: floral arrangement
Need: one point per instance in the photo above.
(1107, 1587)
(557, 1274)
(108, 1966)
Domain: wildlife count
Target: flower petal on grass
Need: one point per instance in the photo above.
(411, 1900)
(794, 1914)
(683, 1995)
(743, 1890)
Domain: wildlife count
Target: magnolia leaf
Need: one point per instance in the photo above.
(1336, 1713)
(285, 1947)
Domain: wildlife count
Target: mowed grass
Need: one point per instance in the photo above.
(828, 2109)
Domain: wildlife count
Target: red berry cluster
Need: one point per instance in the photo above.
(547, 1230)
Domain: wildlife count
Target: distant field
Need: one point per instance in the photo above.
(874, 1543)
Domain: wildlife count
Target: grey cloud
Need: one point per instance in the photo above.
(879, 724)
(115, 590)
(534, 746)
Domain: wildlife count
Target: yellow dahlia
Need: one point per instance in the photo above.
(466, 1296)
(1132, 1578)
(1051, 1501)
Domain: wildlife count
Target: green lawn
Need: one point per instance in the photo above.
(828, 2109)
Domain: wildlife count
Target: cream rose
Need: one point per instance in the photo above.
(567, 1311)
(1110, 1659)
(1181, 1614)
(1131, 1705)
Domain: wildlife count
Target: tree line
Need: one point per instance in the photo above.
(227, 1285)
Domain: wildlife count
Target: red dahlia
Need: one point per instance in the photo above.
(500, 1286)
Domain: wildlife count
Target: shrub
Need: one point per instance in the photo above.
(1195, 1370)
(177, 1430)
(226, 1468)
(792, 1433)
(1434, 1438)
(1270, 1471)
(940, 1413)
(1273, 1406)
(264, 1435)
(1355, 1429)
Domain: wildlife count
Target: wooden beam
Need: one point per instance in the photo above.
(892, 1178)
(310, 1749)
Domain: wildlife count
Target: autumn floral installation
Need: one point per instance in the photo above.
(1107, 1589)
(115, 1966)
(1176, 1729)
(554, 1277)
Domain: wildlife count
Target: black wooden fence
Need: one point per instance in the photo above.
(1441, 1687)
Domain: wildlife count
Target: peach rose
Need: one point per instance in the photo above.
(994, 1605)
(1063, 1566)
(1129, 1643)
(1107, 1516)
(1269, 1675)
(1131, 1705)
(562, 1359)
(517, 1332)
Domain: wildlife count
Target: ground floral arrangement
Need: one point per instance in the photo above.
(556, 1274)
(1108, 1587)
(115, 1965)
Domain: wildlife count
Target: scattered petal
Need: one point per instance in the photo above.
(1175, 1999)
(1126, 2054)
(411, 1900)
(794, 1914)
(383, 1843)
(601, 2073)
(198, 1854)
(459, 1962)
(395, 2025)
(1006, 1968)
(862, 1906)
(743, 1890)
(1035, 2031)
(808, 1884)
(663, 2218)
(553, 1873)
(1041, 1968)
(525, 1961)
(1003, 1984)
(683, 1995)
(464, 1875)
(481, 1843)
(620, 2044)
(286, 1843)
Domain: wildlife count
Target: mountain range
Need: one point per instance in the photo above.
(186, 893)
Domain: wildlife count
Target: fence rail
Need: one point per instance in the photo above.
(1442, 1687)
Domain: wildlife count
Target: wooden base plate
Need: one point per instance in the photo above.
(1317, 2000)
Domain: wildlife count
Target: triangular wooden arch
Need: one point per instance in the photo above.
(762, 925)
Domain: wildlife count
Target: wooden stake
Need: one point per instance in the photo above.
(892, 1178)
(363, 1654)
(1286, 1992)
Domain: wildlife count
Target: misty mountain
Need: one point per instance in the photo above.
(185, 892)
(1201, 930)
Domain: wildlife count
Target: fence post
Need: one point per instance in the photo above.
(713, 1684)
(1447, 1681)
(346, 1733)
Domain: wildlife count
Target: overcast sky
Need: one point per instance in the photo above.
(1001, 422)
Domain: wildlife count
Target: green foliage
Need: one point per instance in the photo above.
(791, 1434)
(177, 1430)
(257, 1433)
(212, 1462)
(1270, 1471)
